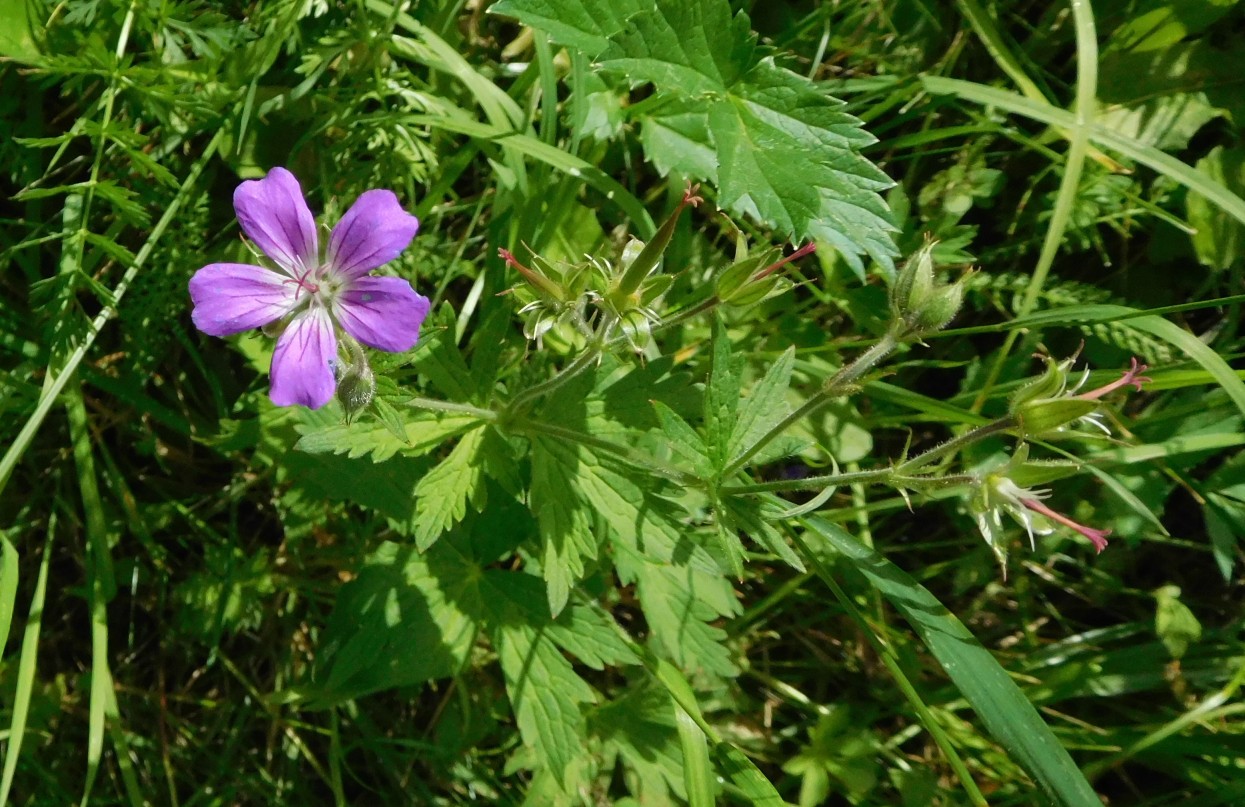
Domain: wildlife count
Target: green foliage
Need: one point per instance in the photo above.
(653, 537)
(720, 98)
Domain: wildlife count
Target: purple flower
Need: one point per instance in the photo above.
(314, 293)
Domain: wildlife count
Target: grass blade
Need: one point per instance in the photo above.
(1165, 164)
(26, 663)
(1003, 708)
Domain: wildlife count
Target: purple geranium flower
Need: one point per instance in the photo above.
(315, 293)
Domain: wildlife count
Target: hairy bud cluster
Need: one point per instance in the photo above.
(920, 304)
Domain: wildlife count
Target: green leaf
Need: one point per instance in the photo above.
(1003, 708)
(744, 514)
(8, 587)
(640, 726)
(694, 46)
(400, 622)
(778, 146)
(545, 693)
(584, 24)
(442, 494)
(721, 397)
(1174, 623)
(641, 521)
(697, 771)
(585, 631)
(424, 432)
(764, 407)
(771, 173)
(684, 441)
(679, 602)
(1220, 239)
(16, 39)
(565, 525)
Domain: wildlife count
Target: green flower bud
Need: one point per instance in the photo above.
(1042, 416)
(356, 388)
(1051, 384)
(758, 290)
(649, 256)
(915, 282)
(739, 273)
(919, 303)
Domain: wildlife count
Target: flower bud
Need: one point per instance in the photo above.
(356, 388)
(919, 303)
(1043, 416)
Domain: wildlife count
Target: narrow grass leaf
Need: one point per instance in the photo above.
(8, 590)
(27, 663)
(697, 771)
(1003, 708)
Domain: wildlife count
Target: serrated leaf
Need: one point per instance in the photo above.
(424, 432)
(721, 397)
(583, 24)
(829, 195)
(545, 694)
(679, 602)
(398, 623)
(586, 632)
(565, 526)
(683, 439)
(641, 726)
(641, 520)
(697, 47)
(743, 514)
(765, 407)
(441, 495)
(785, 151)
(678, 140)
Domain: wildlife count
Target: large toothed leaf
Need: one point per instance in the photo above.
(778, 147)
(697, 47)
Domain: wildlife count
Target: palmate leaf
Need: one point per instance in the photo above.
(679, 584)
(778, 147)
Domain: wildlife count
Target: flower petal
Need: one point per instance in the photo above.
(234, 297)
(302, 364)
(273, 214)
(373, 232)
(382, 312)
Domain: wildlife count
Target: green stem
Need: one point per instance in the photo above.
(453, 408)
(834, 387)
(956, 443)
(586, 359)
